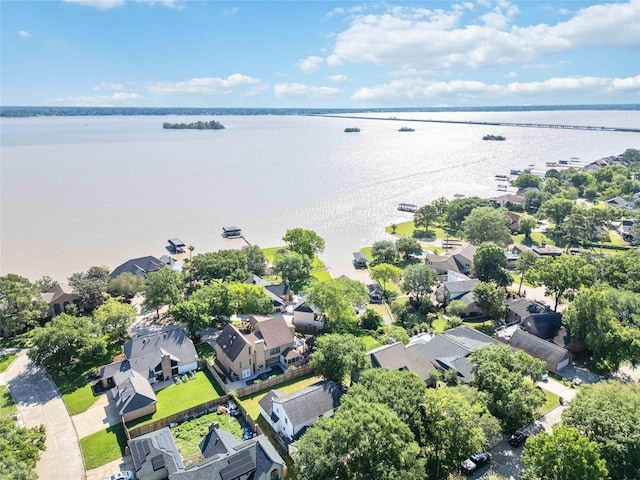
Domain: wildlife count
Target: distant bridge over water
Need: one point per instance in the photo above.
(497, 124)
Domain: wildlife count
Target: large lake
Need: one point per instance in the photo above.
(83, 191)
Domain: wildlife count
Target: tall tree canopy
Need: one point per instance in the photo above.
(487, 224)
(114, 318)
(362, 441)
(489, 263)
(418, 280)
(338, 356)
(557, 209)
(91, 286)
(384, 251)
(458, 209)
(225, 265)
(256, 259)
(304, 242)
(425, 216)
(384, 273)
(20, 304)
(216, 297)
(247, 299)
(125, 285)
(622, 271)
(337, 298)
(608, 413)
(524, 266)
(563, 455)
(407, 246)
(20, 449)
(564, 273)
(490, 299)
(192, 314)
(293, 267)
(163, 287)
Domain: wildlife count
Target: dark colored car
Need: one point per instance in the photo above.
(517, 438)
(475, 461)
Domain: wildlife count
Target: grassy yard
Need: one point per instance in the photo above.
(439, 325)
(370, 342)
(5, 361)
(205, 351)
(408, 229)
(7, 407)
(188, 434)
(250, 403)
(181, 396)
(536, 237)
(318, 268)
(551, 402)
(104, 446)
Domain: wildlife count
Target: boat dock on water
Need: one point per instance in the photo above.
(407, 207)
(232, 232)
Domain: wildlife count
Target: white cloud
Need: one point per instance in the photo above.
(107, 4)
(461, 90)
(436, 40)
(336, 11)
(310, 64)
(24, 34)
(305, 91)
(228, 12)
(108, 86)
(203, 86)
(115, 100)
(339, 78)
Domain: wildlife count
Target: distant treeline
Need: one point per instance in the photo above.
(99, 111)
(212, 125)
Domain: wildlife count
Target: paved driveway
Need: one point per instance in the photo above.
(99, 416)
(39, 402)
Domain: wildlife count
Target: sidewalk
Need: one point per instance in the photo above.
(39, 402)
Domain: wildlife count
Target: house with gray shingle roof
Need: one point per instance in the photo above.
(534, 317)
(133, 396)
(555, 356)
(289, 414)
(156, 456)
(457, 260)
(58, 297)
(138, 266)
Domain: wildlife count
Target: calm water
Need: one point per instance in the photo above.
(82, 191)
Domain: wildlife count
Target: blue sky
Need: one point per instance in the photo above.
(169, 53)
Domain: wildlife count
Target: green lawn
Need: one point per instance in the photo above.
(370, 342)
(188, 434)
(536, 237)
(408, 229)
(205, 351)
(439, 325)
(181, 396)
(80, 399)
(5, 361)
(318, 268)
(7, 407)
(250, 403)
(104, 446)
(552, 401)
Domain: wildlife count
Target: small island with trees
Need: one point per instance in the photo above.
(351, 130)
(407, 129)
(494, 137)
(212, 125)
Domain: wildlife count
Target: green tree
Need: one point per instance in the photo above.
(408, 246)
(490, 299)
(527, 224)
(293, 268)
(564, 273)
(338, 356)
(487, 224)
(91, 286)
(524, 265)
(489, 263)
(216, 297)
(557, 209)
(65, 339)
(192, 314)
(114, 318)
(256, 259)
(622, 271)
(337, 299)
(393, 333)
(45, 283)
(125, 285)
(563, 455)
(384, 251)
(450, 431)
(371, 319)
(608, 413)
(304, 242)
(20, 449)
(20, 304)
(162, 287)
(441, 205)
(246, 299)
(459, 208)
(224, 265)
(360, 442)
(500, 374)
(527, 180)
(533, 199)
(425, 216)
(384, 273)
(457, 308)
(418, 280)
(398, 390)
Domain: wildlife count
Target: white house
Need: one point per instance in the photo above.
(290, 413)
(306, 317)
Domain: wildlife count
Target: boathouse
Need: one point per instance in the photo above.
(231, 232)
(176, 245)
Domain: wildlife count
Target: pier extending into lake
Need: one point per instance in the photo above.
(497, 124)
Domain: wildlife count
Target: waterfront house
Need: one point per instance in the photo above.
(457, 260)
(535, 317)
(360, 260)
(58, 297)
(138, 266)
(271, 341)
(307, 317)
(289, 414)
(280, 293)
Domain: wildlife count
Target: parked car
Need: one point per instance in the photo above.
(517, 438)
(545, 377)
(124, 475)
(475, 461)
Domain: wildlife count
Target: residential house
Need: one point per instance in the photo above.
(133, 396)
(376, 294)
(139, 266)
(58, 297)
(289, 414)
(509, 200)
(360, 260)
(270, 342)
(307, 317)
(621, 203)
(514, 221)
(156, 456)
(534, 317)
(448, 350)
(545, 250)
(458, 260)
(280, 294)
(555, 356)
(462, 290)
(624, 229)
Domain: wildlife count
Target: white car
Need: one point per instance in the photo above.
(124, 475)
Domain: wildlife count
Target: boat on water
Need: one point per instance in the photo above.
(494, 137)
(351, 130)
(515, 172)
(407, 129)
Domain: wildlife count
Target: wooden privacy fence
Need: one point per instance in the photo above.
(274, 381)
(211, 405)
